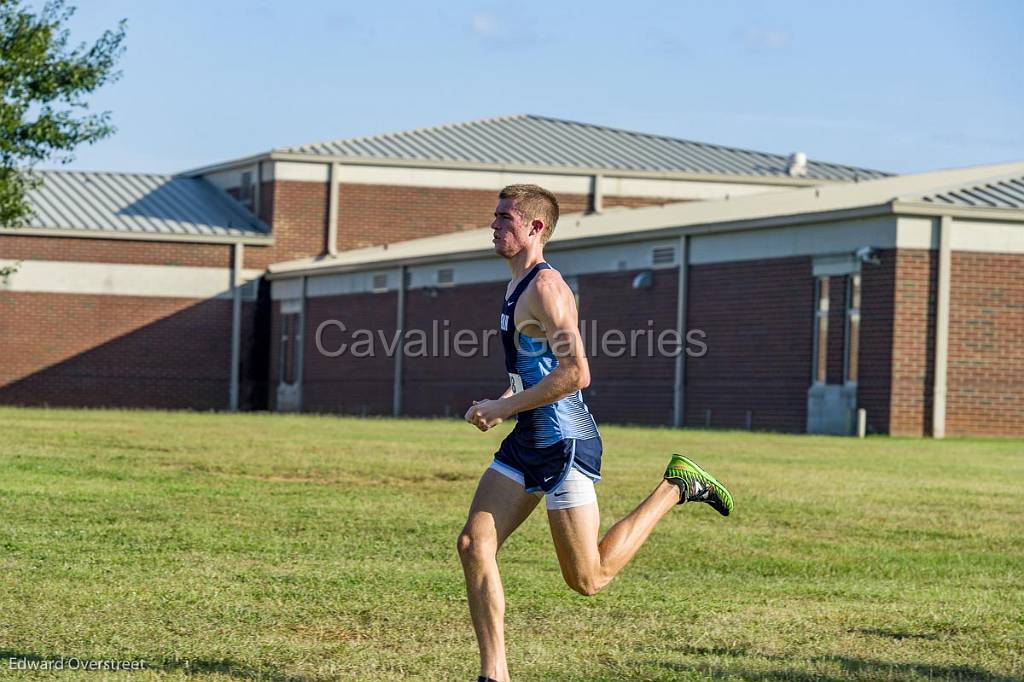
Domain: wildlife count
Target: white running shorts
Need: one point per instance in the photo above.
(576, 490)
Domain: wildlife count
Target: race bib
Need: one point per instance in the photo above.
(516, 382)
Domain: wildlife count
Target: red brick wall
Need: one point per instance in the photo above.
(85, 350)
(19, 247)
(432, 386)
(383, 214)
(874, 380)
(448, 385)
(985, 372)
(758, 317)
(349, 384)
(298, 213)
(299, 222)
(750, 312)
(638, 387)
(913, 344)
(623, 389)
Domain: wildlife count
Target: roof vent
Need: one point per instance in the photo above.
(796, 166)
(663, 255)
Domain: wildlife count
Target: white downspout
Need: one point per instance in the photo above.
(396, 396)
(679, 392)
(333, 171)
(942, 327)
(237, 259)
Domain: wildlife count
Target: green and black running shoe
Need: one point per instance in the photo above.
(697, 485)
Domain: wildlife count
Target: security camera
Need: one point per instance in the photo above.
(867, 254)
(643, 280)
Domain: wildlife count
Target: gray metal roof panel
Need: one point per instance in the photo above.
(1000, 192)
(136, 202)
(549, 142)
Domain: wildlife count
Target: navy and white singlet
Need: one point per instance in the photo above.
(548, 441)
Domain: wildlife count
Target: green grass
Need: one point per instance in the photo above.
(296, 547)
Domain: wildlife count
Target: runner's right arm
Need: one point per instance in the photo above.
(553, 306)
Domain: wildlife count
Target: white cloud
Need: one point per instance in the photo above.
(765, 39)
(484, 25)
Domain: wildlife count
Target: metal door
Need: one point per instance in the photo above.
(289, 374)
(832, 397)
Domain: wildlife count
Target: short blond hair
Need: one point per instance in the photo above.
(534, 203)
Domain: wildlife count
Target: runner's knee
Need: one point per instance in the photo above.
(584, 585)
(474, 547)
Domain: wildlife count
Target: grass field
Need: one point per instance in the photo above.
(294, 547)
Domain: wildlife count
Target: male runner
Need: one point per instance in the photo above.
(554, 450)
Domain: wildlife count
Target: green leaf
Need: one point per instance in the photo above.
(43, 89)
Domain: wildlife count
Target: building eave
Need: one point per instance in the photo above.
(929, 209)
(296, 157)
(242, 162)
(249, 240)
(323, 159)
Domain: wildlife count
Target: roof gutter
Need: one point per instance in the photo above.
(254, 240)
(553, 170)
(296, 157)
(927, 208)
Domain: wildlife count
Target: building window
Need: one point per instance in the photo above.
(446, 277)
(245, 191)
(291, 340)
(850, 368)
(250, 289)
(820, 329)
(380, 282)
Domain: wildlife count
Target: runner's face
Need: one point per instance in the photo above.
(511, 232)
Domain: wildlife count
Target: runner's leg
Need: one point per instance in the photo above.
(587, 565)
(499, 507)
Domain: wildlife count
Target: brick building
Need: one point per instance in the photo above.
(808, 289)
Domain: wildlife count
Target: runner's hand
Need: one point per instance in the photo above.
(485, 414)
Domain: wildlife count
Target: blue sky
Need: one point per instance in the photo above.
(901, 85)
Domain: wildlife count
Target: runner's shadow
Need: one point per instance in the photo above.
(199, 666)
(7, 654)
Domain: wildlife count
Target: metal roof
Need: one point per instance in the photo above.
(538, 141)
(131, 203)
(900, 194)
(998, 192)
